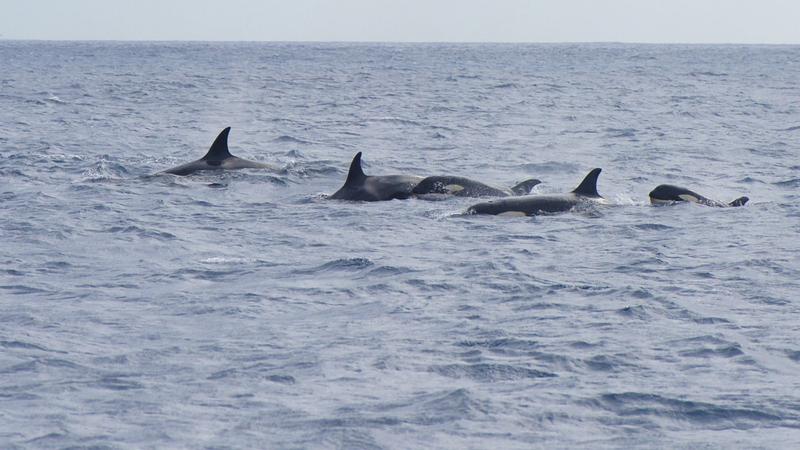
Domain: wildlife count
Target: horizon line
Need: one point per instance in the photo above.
(2, 38)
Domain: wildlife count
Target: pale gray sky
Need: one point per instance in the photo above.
(679, 21)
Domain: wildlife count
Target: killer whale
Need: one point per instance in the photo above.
(465, 187)
(667, 194)
(218, 157)
(361, 187)
(531, 205)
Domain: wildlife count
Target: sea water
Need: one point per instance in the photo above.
(246, 310)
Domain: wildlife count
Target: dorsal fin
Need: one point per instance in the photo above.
(219, 149)
(356, 175)
(525, 187)
(741, 201)
(588, 186)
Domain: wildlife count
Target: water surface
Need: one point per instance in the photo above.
(242, 309)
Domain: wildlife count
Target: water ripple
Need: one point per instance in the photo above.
(489, 372)
(244, 309)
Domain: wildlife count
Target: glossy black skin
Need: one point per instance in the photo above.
(534, 206)
(218, 158)
(465, 187)
(531, 205)
(365, 188)
(667, 193)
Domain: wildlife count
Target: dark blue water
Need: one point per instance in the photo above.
(162, 312)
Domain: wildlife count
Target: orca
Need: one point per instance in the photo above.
(218, 158)
(366, 188)
(464, 187)
(531, 205)
(668, 194)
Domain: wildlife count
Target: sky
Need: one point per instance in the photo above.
(645, 21)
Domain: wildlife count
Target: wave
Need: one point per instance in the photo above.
(708, 74)
(791, 183)
(224, 261)
(397, 120)
(104, 171)
(54, 99)
(700, 414)
(291, 139)
(24, 346)
(504, 86)
(345, 265)
(549, 167)
(621, 132)
(486, 372)
(653, 227)
(141, 232)
(503, 345)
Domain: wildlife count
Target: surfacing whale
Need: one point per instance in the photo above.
(531, 205)
(366, 188)
(667, 194)
(464, 187)
(218, 158)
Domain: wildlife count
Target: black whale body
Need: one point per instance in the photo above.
(667, 193)
(361, 187)
(531, 205)
(465, 187)
(218, 157)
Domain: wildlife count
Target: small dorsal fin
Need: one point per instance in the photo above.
(525, 187)
(588, 186)
(356, 175)
(219, 149)
(741, 201)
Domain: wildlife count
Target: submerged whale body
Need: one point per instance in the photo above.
(361, 187)
(465, 187)
(218, 158)
(531, 205)
(667, 194)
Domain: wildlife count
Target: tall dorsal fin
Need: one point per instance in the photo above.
(219, 149)
(588, 186)
(356, 174)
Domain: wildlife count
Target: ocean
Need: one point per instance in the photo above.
(244, 309)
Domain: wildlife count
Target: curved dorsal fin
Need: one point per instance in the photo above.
(525, 187)
(588, 186)
(219, 149)
(741, 201)
(356, 174)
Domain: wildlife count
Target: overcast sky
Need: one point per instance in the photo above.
(679, 21)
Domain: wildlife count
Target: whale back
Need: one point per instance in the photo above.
(667, 193)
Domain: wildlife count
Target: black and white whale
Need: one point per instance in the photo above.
(465, 187)
(361, 187)
(531, 205)
(218, 158)
(667, 194)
